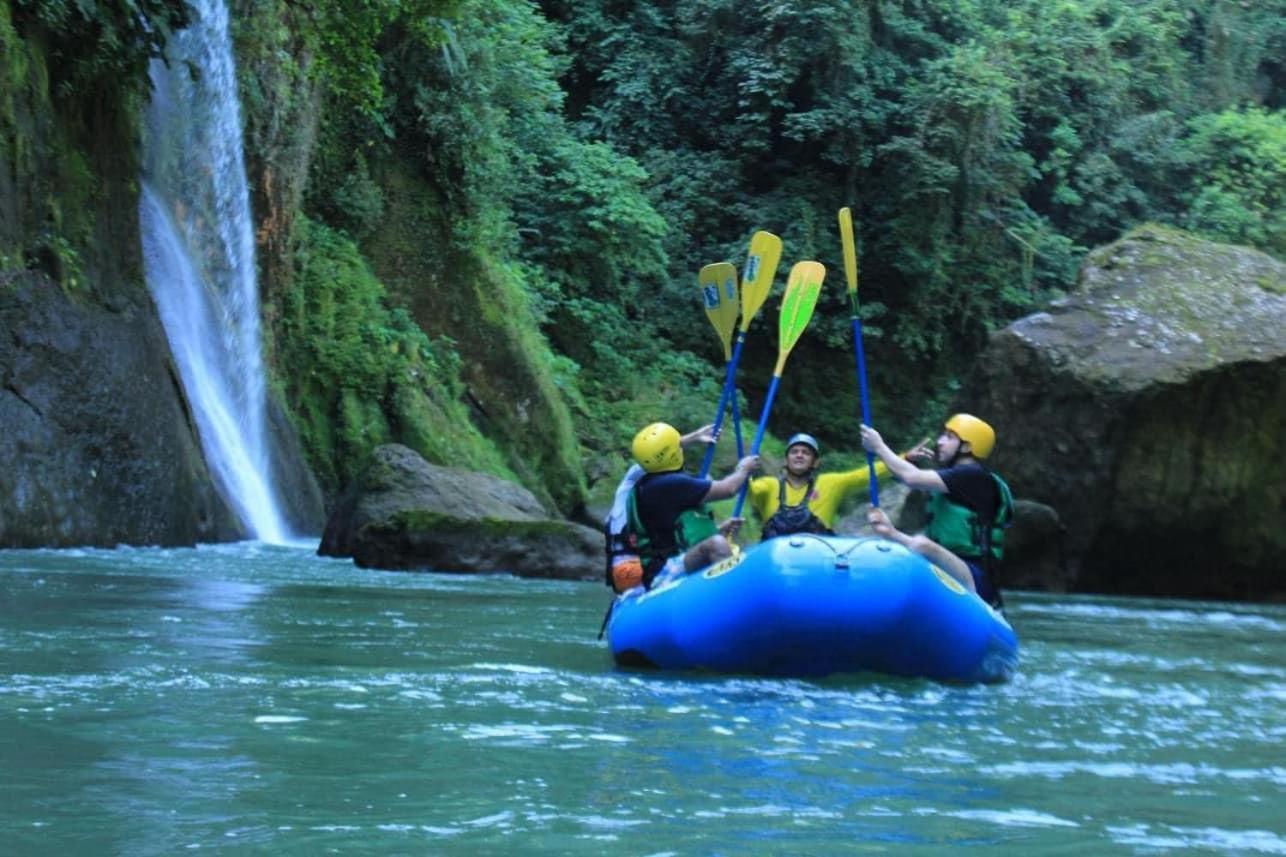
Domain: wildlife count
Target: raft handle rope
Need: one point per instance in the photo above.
(842, 559)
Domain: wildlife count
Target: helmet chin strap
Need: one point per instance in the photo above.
(959, 451)
(955, 456)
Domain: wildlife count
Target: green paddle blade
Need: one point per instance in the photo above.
(718, 285)
(756, 279)
(850, 249)
(802, 290)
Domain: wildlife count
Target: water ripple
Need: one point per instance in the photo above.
(288, 703)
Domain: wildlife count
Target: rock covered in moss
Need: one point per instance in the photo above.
(1149, 409)
(404, 513)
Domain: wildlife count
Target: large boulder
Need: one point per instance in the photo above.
(404, 513)
(1149, 410)
(98, 446)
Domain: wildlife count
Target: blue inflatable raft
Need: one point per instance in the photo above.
(811, 606)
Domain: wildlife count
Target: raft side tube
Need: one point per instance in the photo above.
(810, 606)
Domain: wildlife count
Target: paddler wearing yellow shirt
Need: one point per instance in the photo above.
(803, 500)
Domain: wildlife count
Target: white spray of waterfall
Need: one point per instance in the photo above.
(198, 250)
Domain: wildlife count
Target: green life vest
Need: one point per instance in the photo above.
(690, 528)
(958, 528)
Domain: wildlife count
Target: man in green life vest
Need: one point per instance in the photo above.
(970, 505)
(675, 533)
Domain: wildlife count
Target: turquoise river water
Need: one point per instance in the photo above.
(253, 699)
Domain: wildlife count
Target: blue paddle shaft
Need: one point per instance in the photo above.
(759, 437)
(729, 389)
(866, 403)
(736, 425)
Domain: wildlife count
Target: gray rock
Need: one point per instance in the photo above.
(98, 446)
(894, 500)
(1034, 550)
(1149, 410)
(404, 513)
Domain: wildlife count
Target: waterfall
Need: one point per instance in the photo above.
(198, 251)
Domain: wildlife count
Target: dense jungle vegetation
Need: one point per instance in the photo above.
(587, 157)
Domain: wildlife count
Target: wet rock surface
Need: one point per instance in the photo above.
(1147, 412)
(404, 513)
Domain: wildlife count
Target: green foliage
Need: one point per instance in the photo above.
(359, 200)
(599, 153)
(1237, 159)
(984, 146)
(93, 45)
(478, 110)
(596, 241)
(956, 219)
(60, 136)
(588, 222)
(509, 180)
(359, 373)
(358, 42)
(350, 37)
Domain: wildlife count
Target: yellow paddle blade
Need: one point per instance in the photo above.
(802, 290)
(756, 279)
(718, 285)
(850, 249)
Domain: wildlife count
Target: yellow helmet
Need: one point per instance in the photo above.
(657, 448)
(980, 436)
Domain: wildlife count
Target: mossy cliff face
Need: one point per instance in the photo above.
(98, 446)
(473, 392)
(1149, 410)
(68, 203)
(462, 294)
(280, 107)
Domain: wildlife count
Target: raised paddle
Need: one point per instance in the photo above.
(850, 271)
(718, 286)
(802, 290)
(756, 283)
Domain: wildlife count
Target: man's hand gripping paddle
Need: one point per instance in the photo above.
(802, 290)
(719, 295)
(850, 271)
